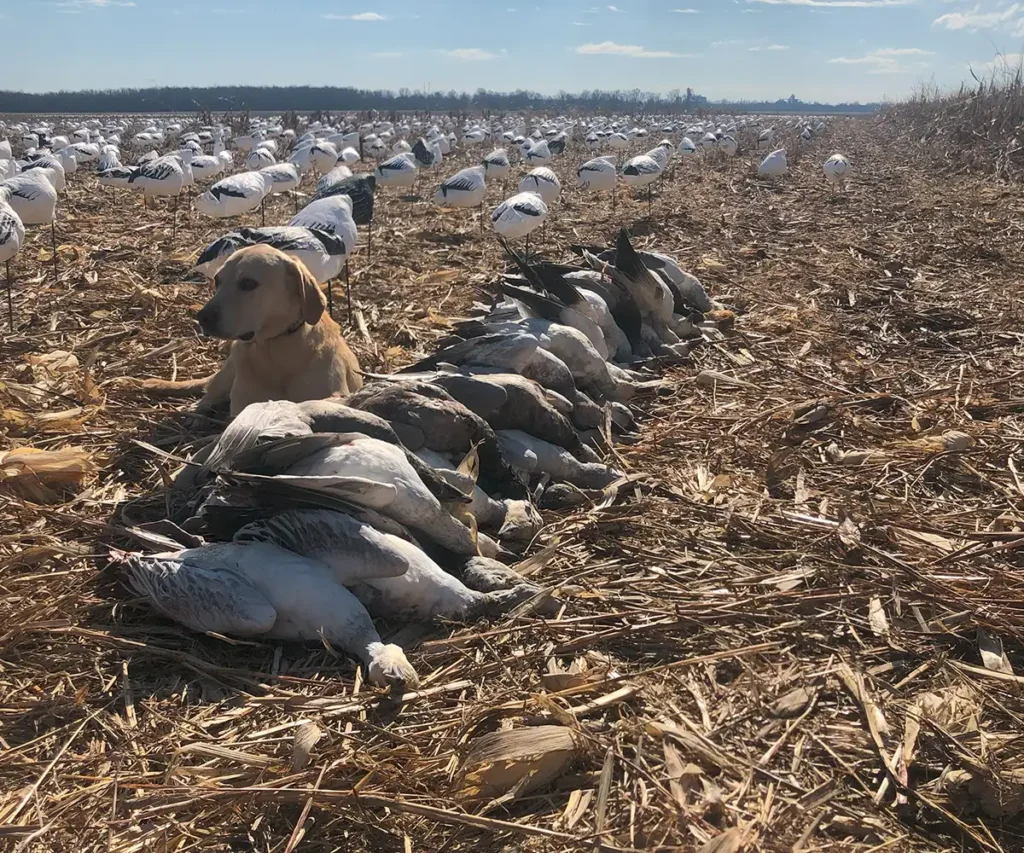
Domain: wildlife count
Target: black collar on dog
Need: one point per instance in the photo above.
(291, 330)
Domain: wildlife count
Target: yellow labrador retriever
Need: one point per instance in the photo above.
(285, 346)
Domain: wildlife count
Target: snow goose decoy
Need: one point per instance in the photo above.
(518, 216)
(466, 188)
(360, 190)
(332, 215)
(497, 165)
(12, 235)
(539, 154)
(836, 168)
(542, 181)
(286, 179)
(322, 253)
(33, 197)
(598, 175)
(642, 171)
(236, 195)
(259, 158)
(774, 165)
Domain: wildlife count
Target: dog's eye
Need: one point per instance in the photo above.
(248, 284)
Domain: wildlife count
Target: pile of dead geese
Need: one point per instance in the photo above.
(407, 500)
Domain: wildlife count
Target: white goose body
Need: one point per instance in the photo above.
(235, 195)
(597, 175)
(641, 171)
(388, 574)
(256, 589)
(836, 168)
(12, 231)
(543, 182)
(466, 188)
(333, 215)
(774, 165)
(285, 177)
(321, 252)
(259, 158)
(32, 196)
(497, 165)
(161, 177)
(519, 215)
(539, 154)
(399, 171)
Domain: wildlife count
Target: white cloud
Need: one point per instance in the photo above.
(1007, 63)
(686, 11)
(974, 19)
(837, 4)
(756, 48)
(470, 54)
(614, 9)
(610, 48)
(359, 16)
(888, 60)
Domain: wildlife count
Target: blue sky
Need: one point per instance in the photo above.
(830, 50)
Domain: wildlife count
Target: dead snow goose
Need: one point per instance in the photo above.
(256, 589)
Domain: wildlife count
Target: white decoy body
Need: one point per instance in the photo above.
(161, 177)
(12, 236)
(641, 171)
(774, 165)
(32, 196)
(465, 188)
(539, 154)
(285, 176)
(542, 181)
(597, 175)
(836, 168)
(323, 156)
(336, 175)
(256, 589)
(332, 214)
(519, 215)
(399, 171)
(48, 161)
(497, 165)
(235, 195)
(321, 252)
(259, 158)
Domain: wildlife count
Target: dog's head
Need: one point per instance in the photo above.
(261, 293)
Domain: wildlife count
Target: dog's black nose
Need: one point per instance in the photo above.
(207, 318)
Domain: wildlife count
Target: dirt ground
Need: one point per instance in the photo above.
(798, 628)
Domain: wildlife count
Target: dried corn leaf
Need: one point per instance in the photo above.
(306, 737)
(522, 759)
(876, 617)
(33, 474)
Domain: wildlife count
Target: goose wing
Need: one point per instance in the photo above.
(198, 588)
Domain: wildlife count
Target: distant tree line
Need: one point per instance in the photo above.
(184, 99)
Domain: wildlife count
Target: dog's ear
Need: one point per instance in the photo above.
(311, 297)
